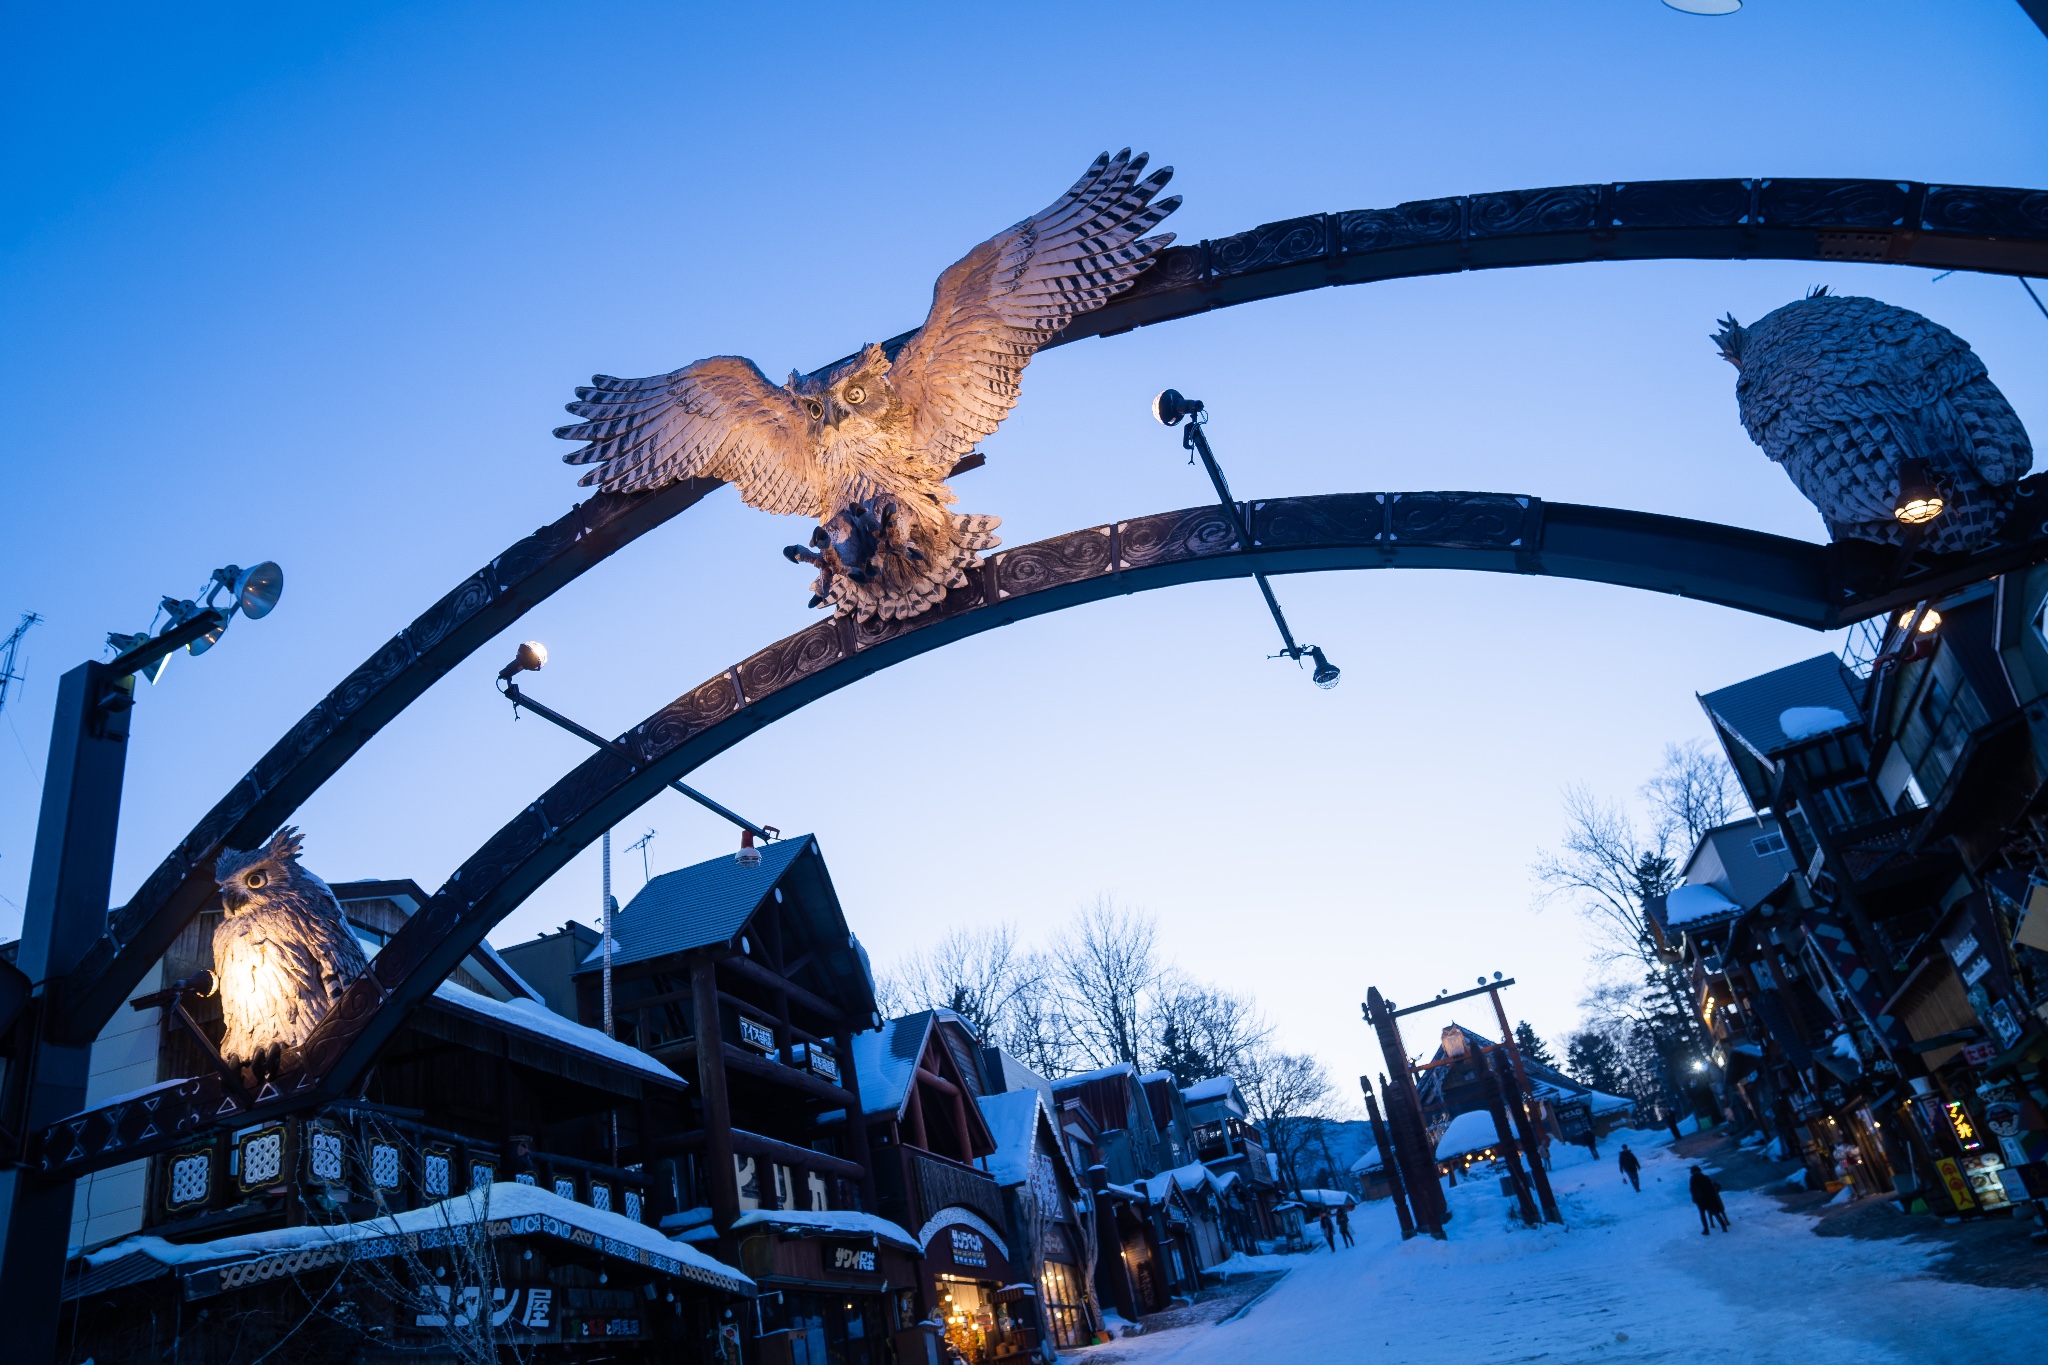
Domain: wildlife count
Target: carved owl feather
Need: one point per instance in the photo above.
(282, 951)
(1839, 389)
(866, 445)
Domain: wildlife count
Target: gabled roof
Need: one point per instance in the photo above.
(1471, 1131)
(885, 1061)
(1215, 1088)
(1017, 1119)
(1749, 717)
(708, 904)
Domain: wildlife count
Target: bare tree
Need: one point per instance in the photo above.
(1106, 970)
(1607, 867)
(1198, 1031)
(1287, 1093)
(990, 979)
(1691, 792)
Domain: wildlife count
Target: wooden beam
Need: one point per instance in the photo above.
(856, 1119)
(749, 970)
(752, 1064)
(718, 1150)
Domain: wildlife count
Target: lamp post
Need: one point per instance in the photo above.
(70, 881)
(1170, 408)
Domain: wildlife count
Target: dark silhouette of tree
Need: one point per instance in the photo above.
(1534, 1049)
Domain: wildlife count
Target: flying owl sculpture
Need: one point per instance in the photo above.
(1840, 389)
(282, 952)
(866, 445)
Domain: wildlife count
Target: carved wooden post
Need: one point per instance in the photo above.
(1411, 1134)
(1533, 1142)
(1496, 1102)
(1387, 1161)
(718, 1155)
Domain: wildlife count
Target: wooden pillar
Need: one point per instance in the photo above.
(915, 1113)
(1530, 1136)
(1404, 1114)
(856, 1118)
(1496, 1102)
(721, 1175)
(1387, 1161)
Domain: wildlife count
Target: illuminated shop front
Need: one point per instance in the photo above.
(987, 1313)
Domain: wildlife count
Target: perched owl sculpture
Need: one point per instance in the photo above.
(282, 952)
(866, 446)
(1840, 389)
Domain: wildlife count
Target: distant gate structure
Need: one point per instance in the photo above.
(1896, 222)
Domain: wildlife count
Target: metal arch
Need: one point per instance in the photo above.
(1821, 586)
(1898, 222)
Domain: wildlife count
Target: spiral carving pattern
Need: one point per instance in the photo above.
(1562, 208)
(1049, 563)
(1995, 212)
(1833, 203)
(1282, 243)
(791, 659)
(1475, 521)
(1172, 536)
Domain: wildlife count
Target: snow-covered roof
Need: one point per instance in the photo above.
(1804, 722)
(1471, 1131)
(1329, 1199)
(847, 1221)
(885, 1059)
(506, 1209)
(1152, 1076)
(1755, 709)
(531, 1016)
(1013, 1119)
(696, 906)
(1099, 1074)
(1157, 1189)
(1215, 1088)
(1686, 904)
(1370, 1161)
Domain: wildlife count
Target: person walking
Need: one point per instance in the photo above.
(1706, 1197)
(1631, 1168)
(1344, 1227)
(1329, 1232)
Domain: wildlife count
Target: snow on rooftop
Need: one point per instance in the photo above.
(505, 1203)
(1696, 902)
(1471, 1131)
(1370, 1161)
(1215, 1088)
(1804, 722)
(1100, 1074)
(1013, 1120)
(531, 1016)
(1329, 1199)
(830, 1220)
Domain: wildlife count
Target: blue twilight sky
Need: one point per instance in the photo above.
(311, 283)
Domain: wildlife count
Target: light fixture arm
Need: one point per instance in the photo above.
(519, 699)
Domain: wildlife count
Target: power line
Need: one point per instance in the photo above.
(2032, 295)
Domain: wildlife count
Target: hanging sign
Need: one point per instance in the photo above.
(756, 1035)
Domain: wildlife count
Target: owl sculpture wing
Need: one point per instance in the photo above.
(866, 445)
(996, 306)
(719, 418)
(1841, 389)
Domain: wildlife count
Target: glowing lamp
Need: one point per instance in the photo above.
(531, 658)
(1919, 500)
(1928, 623)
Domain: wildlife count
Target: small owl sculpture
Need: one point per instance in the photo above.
(282, 952)
(1840, 389)
(866, 446)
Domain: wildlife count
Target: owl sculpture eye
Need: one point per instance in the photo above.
(254, 880)
(856, 394)
(814, 408)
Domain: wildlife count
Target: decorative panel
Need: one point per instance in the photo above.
(1833, 203)
(191, 1179)
(1051, 563)
(1679, 203)
(1336, 519)
(1415, 223)
(1480, 521)
(791, 659)
(1171, 537)
(1978, 209)
(1561, 208)
(1270, 244)
(324, 1155)
(386, 1167)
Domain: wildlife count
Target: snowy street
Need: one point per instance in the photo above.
(1630, 1279)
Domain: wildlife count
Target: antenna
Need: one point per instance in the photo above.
(641, 844)
(8, 649)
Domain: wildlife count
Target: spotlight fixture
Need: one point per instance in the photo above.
(1930, 621)
(1919, 500)
(531, 658)
(1169, 407)
(198, 623)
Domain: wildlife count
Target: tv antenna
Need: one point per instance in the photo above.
(8, 649)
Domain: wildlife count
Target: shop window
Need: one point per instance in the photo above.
(1065, 1304)
(1851, 803)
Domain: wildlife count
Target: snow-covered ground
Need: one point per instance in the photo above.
(1630, 1279)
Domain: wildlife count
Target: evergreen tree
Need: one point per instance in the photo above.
(1593, 1059)
(1534, 1049)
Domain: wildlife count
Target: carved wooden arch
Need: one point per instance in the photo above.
(1961, 227)
(1821, 586)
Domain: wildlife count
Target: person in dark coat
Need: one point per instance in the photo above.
(1344, 1228)
(1706, 1197)
(1329, 1232)
(1631, 1168)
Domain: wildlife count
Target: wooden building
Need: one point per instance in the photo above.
(1051, 1219)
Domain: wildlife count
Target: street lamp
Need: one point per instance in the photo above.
(65, 916)
(531, 658)
(1170, 408)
